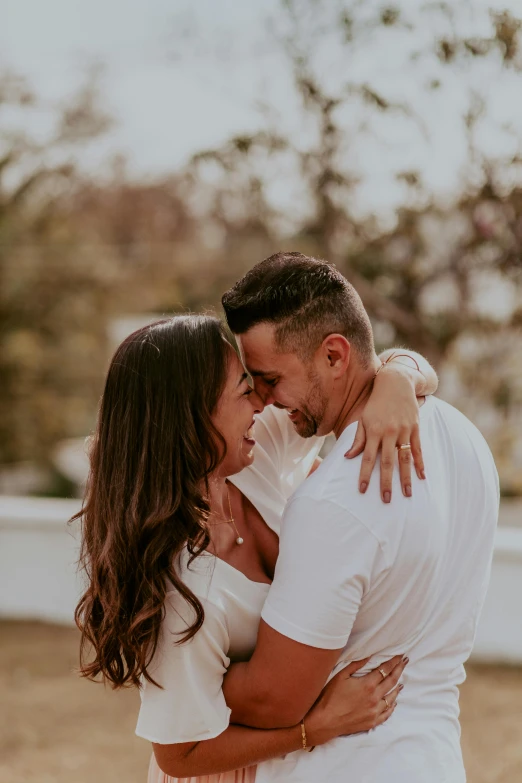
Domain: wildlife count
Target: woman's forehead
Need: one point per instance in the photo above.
(235, 368)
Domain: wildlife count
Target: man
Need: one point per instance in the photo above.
(357, 577)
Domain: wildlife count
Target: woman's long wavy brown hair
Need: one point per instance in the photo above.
(152, 453)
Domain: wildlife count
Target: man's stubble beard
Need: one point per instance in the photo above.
(312, 410)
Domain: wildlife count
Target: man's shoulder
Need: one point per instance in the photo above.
(455, 427)
(323, 484)
(335, 486)
(330, 505)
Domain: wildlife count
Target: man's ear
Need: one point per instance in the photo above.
(337, 351)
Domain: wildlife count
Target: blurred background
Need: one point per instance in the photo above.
(151, 153)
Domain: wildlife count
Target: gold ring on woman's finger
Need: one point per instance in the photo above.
(404, 446)
(385, 700)
(383, 674)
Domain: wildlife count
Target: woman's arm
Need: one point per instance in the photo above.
(418, 369)
(391, 418)
(235, 748)
(316, 464)
(347, 705)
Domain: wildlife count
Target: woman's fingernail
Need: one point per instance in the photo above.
(363, 486)
(407, 490)
(401, 686)
(423, 474)
(406, 660)
(347, 455)
(387, 496)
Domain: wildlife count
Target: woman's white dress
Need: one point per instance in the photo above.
(190, 706)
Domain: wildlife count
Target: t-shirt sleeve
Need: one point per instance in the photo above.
(190, 706)
(326, 560)
(292, 455)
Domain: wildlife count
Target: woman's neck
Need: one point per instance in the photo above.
(222, 532)
(218, 494)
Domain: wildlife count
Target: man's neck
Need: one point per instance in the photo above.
(358, 390)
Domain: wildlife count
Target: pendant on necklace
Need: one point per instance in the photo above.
(239, 540)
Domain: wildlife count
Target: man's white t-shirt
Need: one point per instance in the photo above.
(409, 577)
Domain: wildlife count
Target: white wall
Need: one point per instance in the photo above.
(499, 636)
(38, 554)
(38, 579)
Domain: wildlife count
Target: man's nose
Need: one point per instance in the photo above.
(260, 389)
(257, 401)
(269, 398)
(264, 391)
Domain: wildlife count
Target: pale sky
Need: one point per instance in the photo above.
(165, 110)
(169, 107)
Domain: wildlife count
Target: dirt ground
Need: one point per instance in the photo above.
(55, 727)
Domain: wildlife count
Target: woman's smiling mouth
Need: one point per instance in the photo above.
(249, 436)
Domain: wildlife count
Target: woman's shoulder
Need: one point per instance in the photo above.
(189, 704)
(199, 575)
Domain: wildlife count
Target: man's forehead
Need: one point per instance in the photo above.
(257, 346)
(259, 351)
(260, 337)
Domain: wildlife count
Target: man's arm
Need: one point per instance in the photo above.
(280, 683)
(324, 567)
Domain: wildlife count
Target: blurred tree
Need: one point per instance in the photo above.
(47, 285)
(441, 273)
(431, 246)
(73, 255)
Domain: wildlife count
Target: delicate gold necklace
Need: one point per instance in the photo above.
(230, 521)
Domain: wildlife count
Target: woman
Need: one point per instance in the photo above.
(179, 545)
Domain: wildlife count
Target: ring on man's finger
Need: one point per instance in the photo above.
(403, 446)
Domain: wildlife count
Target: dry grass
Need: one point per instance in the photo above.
(55, 727)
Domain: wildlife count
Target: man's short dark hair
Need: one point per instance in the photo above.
(305, 298)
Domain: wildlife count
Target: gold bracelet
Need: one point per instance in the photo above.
(304, 739)
(303, 735)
